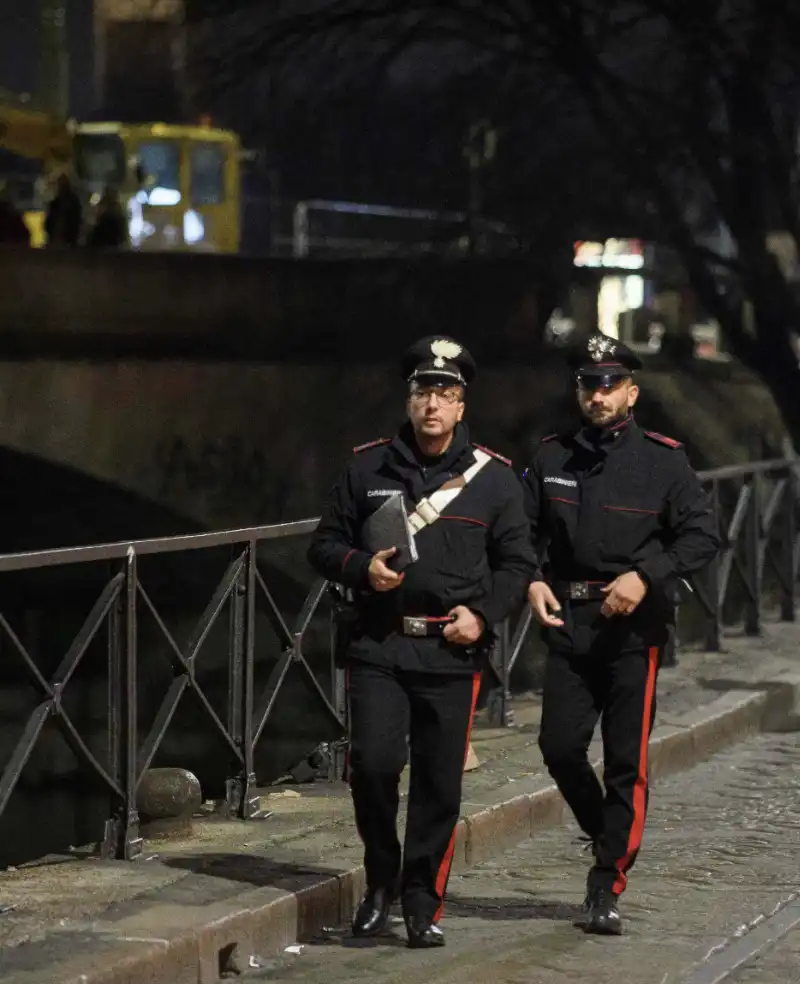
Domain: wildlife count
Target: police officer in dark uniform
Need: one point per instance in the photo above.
(622, 517)
(415, 652)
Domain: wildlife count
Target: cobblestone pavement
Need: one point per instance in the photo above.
(720, 856)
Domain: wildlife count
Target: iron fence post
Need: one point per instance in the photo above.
(249, 806)
(338, 759)
(239, 787)
(752, 540)
(507, 706)
(669, 657)
(236, 617)
(794, 470)
(131, 843)
(788, 534)
(116, 705)
(714, 618)
(499, 708)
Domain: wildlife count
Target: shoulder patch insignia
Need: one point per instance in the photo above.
(372, 444)
(494, 454)
(549, 437)
(670, 442)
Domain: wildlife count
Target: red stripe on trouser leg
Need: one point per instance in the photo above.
(447, 860)
(640, 786)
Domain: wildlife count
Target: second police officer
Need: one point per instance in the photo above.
(621, 517)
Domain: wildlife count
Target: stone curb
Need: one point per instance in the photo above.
(178, 945)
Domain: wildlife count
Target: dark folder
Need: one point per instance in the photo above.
(388, 527)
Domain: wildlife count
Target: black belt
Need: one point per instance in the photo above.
(424, 625)
(579, 590)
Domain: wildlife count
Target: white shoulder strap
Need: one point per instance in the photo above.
(428, 510)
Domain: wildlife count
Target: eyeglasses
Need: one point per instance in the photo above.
(446, 397)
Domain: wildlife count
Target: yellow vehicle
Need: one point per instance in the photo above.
(181, 184)
(30, 133)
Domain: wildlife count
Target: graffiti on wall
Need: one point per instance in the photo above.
(228, 474)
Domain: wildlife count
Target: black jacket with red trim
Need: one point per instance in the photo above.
(478, 553)
(601, 503)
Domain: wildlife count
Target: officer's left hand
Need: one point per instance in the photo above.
(467, 628)
(623, 595)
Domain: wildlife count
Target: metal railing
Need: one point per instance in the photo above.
(757, 508)
(242, 589)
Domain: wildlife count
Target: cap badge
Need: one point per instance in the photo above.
(600, 348)
(444, 349)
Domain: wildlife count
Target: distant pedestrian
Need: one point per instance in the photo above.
(110, 227)
(64, 219)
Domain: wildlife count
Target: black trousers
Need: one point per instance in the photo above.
(620, 687)
(393, 712)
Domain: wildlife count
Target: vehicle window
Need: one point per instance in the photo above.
(100, 159)
(160, 165)
(208, 174)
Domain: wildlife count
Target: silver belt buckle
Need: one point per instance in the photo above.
(414, 626)
(578, 590)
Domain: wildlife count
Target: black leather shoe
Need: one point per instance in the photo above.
(603, 917)
(372, 914)
(423, 934)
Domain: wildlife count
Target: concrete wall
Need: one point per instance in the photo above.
(231, 443)
(227, 386)
(82, 305)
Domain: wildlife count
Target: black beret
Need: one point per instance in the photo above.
(438, 359)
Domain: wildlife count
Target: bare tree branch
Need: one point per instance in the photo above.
(694, 101)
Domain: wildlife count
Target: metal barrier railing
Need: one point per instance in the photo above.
(761, 501)
(118, 607)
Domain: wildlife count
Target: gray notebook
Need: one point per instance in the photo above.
(388, 527)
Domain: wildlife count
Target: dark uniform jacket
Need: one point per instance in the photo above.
(605, 502)
(478, 553)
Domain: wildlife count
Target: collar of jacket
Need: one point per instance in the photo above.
(404, 444)
(605, 439)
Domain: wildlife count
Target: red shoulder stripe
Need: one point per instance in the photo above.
(372, 444)
(494, 454)
(661, 439)
(549, 437)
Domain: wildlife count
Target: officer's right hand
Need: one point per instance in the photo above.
(543, 602)
(381, 577)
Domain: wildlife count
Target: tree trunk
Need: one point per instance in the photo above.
(767, 350)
